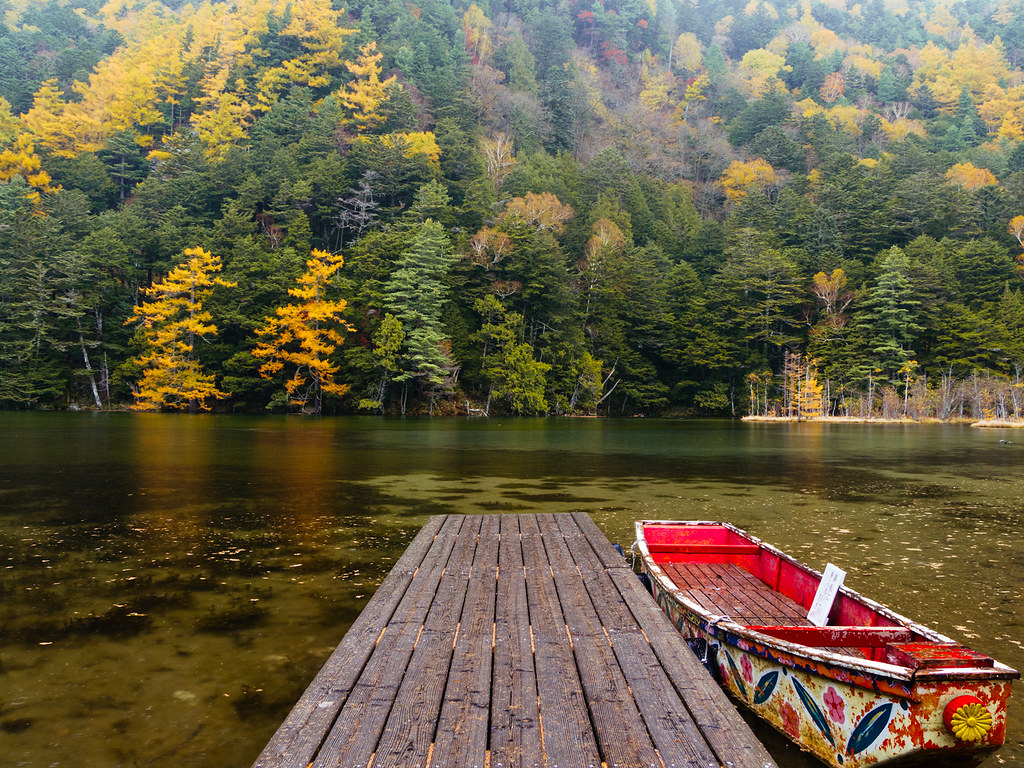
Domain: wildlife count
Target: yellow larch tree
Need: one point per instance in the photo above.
(968, 177)
(304, 334)
(225, 119)
(20, 159)
(364, 95)
(170, 320)
(741, 178)
(809, 394)
(46, 122)
(171, 83)
(18, 155)
(320, 31)
(1011, 128)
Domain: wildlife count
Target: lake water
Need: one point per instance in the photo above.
(169, 584)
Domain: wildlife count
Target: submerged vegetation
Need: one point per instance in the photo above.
(564, 207)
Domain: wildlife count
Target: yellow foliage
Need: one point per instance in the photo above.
(779, 44)
(367, 92)
(846, 117)
(170, 319)
(1016, 229)
(20, 159)
(864, 58)
(809, 108)
(225, 120)
(319, 29)
(825, 42)
(655, 91)
(868, 162)
(900, 129)
(741, 178)
(760, 69)
(973, 64)
(9, 124)
(968, 177)
(1005, 12)
(305, 334)
(45, 120)
(477, 27)
(125, 89)
(770, 10)
(687, 53)
(941, 22)
(1011, 128)
(414, 143)
(695, 92)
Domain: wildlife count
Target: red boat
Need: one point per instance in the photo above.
(852, 682)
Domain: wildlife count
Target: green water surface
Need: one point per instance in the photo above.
(169, 585)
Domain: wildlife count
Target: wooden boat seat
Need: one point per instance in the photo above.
(839, 637)
(728, 590)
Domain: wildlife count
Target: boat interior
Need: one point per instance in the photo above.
(729, 575)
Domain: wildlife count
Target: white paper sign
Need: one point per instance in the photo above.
(831, 581)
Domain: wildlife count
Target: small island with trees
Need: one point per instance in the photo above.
(788, 210)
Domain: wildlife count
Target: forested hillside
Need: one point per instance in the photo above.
(654, 207)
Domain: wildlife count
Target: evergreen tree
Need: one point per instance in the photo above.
(925, 102)
(972, 126)
(887, 321)
(415, 294)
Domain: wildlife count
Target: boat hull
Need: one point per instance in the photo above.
(846, 716)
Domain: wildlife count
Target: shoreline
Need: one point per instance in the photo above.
(984, 423)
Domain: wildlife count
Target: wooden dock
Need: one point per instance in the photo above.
(512, 641)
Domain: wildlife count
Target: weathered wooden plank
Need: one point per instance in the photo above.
(568, 737)
(621, 735)
(603, 549)
(299, 737)
(462, 729)
(671, 727)
(515, 717)
(718, 721)
(412, 724)
(353, 737)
